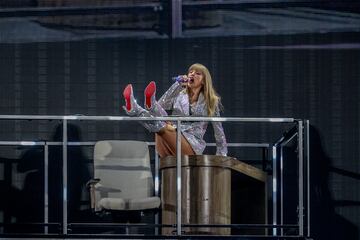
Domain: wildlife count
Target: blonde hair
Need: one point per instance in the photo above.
(212, 99)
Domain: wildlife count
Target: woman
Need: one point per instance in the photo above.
(191, 95)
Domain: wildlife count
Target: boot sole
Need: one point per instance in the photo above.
(127, 94)
(149, 91)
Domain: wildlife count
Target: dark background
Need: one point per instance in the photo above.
(313, 76)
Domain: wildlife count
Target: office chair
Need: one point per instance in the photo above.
(122, 177)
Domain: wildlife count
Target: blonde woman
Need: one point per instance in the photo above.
(191, 95)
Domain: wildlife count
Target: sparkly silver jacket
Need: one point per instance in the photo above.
(177, 100)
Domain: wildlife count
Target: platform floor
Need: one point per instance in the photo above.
(104, 237)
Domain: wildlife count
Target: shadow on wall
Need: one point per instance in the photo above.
(78, 175)
(326, 224)
(25, 204)
(22, 198)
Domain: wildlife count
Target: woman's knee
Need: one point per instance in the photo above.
(167, 129)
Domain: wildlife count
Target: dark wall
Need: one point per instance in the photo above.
(313, 77)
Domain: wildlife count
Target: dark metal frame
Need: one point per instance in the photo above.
(300, 133)
(303, 161)
(171, 11)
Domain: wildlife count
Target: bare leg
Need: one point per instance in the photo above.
(166, 143)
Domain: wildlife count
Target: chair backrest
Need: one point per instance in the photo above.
(123, 168)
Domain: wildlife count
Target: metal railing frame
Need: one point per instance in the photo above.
(303, 157)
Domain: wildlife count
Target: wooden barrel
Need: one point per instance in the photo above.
(206, 193)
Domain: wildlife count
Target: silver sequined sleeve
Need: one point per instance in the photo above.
(167, 100)
(221, 144)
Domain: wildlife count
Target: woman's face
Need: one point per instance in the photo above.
(196, 78)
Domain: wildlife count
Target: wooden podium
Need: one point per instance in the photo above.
(212, 188)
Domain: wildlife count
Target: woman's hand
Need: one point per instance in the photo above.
(181, 78)
(184, 80)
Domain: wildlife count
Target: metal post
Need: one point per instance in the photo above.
(178, 176)
(281, 188)
(301, 178)
(307, 150)
(46, 186)
(156, 187)
(64, 177)
(274, 185)
(176, 18)
(264, 158)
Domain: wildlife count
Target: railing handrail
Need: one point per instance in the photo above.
(178, 120)
(126, 118)
(91, 143)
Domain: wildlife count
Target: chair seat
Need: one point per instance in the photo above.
(129, 204)
(144, 203)
(111, 203)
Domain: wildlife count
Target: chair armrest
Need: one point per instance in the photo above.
(92, 182)
(91, 185)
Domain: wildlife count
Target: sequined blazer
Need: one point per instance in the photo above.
(176, 99)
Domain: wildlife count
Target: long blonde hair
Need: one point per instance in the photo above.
(212, 99)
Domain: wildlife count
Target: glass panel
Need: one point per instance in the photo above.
(69, 20)
(220, 18)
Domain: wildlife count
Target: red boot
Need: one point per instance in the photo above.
(128, 95)
(149, 94)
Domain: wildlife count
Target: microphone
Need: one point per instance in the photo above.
(179, 78)
(182, 79)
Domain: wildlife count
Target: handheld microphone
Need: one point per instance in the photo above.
(179, 78)
(182, 79)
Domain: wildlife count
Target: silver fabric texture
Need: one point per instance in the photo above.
(138, 111)
(157, 110)
(175, 99)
